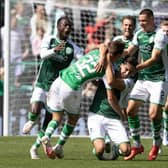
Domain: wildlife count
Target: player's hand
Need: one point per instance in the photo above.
(60, 47)
(100, 65)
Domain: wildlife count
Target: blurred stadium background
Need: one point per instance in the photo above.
(93, 22)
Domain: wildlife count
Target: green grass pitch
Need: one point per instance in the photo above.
(14, 153)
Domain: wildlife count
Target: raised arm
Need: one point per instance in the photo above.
(103, 50)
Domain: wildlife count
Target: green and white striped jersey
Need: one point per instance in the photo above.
(55, 61)
(82, 70)
(145, 42)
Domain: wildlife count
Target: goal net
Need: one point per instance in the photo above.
(89, 29)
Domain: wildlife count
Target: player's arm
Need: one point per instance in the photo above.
(130, 50)
(46, 51)
(156, 53)
(112, 99)
(110, 77)
(103, 50)
(159, 45)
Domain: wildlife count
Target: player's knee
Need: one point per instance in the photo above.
(36, 108)
(72, 120)
(99, 146)
(125, 149)
(131, 113)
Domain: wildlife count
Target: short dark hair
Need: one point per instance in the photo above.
(131, 60)
(62, 18)
(147, 12)
(129, 17)
(116, 47)
(164, 22)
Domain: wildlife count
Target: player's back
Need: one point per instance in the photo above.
(82, 70)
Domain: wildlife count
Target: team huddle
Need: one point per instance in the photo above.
(130, 70)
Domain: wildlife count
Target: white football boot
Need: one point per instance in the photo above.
(28, 126)
(34, 153)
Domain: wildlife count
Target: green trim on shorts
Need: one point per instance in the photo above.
(53, 111)
(157, 103)
(137, 100)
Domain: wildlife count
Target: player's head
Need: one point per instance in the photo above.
(64, 26)
(115, 49)
(128, 67)
(128, 26)
(146, 20)
(164, 26)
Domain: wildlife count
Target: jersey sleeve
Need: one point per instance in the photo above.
(160, 40)
(45, 51)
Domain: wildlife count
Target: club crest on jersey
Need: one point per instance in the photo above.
(68, 50)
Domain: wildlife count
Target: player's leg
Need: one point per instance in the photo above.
(37, 103)
(119, 137)
(138, 95)
(52, 125)
(155, 114)
(97, 134)
(56, 105)
(99, 147)
(165, 124)
(134, 126)
(72, 101)
(32, 116)
(34, 148)
(157, 101)
(122, 149)
(65, 133)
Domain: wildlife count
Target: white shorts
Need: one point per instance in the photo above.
(39, 95)
(148, 90)
(99, 125)
(63, 98)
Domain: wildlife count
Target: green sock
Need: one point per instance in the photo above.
(38, 140)
(65, 133)
(52, 125)
(156, 127)
(165, 120)
(32, 116)
(134, 125)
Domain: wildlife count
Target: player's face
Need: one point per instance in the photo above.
(165, 29)
(64, 28)
(128, 28)
(126, 70)
(146, 22)
(115, 57)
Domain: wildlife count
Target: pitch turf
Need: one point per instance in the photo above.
(14, 153)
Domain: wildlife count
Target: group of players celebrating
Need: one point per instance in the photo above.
(132, 69)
